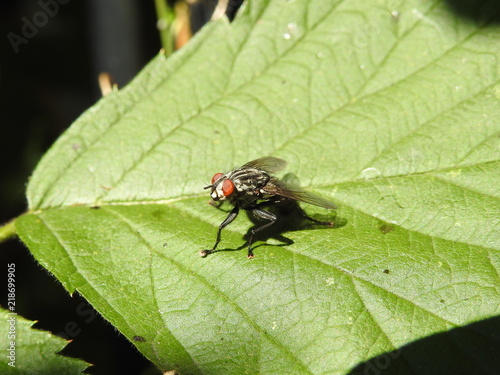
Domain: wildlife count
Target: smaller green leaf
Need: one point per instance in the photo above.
(30, 351)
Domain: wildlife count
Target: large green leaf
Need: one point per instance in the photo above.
(390, 109)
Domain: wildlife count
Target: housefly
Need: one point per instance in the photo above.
(253, 187)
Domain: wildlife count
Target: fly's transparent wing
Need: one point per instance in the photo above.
(268, 164)
(277, 187)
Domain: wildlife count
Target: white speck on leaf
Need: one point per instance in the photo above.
(370, 173)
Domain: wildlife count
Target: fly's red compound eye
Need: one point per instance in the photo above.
(216, 177)
(227, 187)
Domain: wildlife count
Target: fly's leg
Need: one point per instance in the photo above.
(215, 204)
(264, 215)
(228, 220)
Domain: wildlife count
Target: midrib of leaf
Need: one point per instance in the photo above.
(359, 180)
(154, 252)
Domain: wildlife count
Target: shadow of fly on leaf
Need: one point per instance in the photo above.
(254, 188)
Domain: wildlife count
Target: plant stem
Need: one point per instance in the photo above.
(7, 231)
(166, 17)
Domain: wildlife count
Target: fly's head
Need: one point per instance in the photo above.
(221, 188)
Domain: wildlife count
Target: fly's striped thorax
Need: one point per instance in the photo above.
(249, 179)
